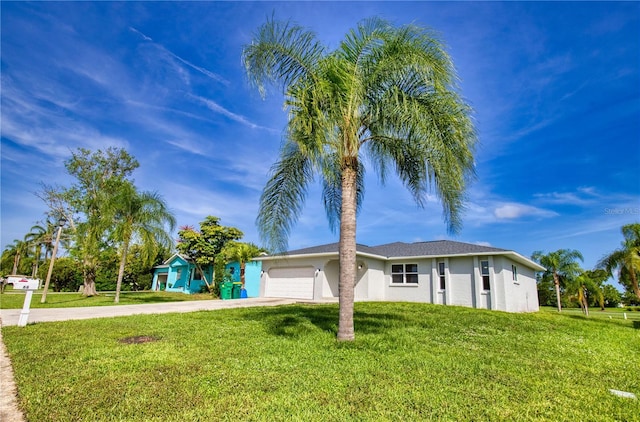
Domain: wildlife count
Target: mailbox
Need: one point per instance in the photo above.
(26, 284)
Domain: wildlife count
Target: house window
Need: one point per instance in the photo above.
(484, 269)
(443, 281)
(404, 273)
(514, 272)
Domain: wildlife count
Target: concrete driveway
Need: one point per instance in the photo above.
(11, 316)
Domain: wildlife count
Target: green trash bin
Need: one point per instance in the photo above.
(225, 290)
(237, 287)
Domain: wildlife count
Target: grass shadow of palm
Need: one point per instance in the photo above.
(298, 320)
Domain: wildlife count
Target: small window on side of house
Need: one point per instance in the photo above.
(404, 273)
(443, 281)
(411, 273)
(514, 272)
(484, 269)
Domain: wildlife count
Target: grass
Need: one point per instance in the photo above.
(597, 314)
(409, 362)
(15, 299)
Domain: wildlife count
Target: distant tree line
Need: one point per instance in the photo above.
(112, 233)
(566, 284)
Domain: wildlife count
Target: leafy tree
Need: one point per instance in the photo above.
(612, 297)
(626, 259)
(99, 177)
(242, 253)
(546, 291)
(107, 262)
(141, 216)
(561, 265)
(138, 273)
(630, 298)
(204, 245)
(387, 94)
(587, 288)
(66, 275)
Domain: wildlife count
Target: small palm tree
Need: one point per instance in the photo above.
(37, 237)
(18, 250)
(562, 265)
(626, 259)
(386, 94)
(141, 216)
(242, 253)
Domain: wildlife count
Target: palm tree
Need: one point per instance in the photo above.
(140, 215)
(626, 259)
(561, 264)
(37, 237)
(242, 253)
(386, 94)
(18, 250)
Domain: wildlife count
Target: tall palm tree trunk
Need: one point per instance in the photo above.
(347, 252)
(123, 261)
(16, 261)
(634, 282)
(36, 263)
(556, 281)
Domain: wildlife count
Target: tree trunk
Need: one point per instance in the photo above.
(123, 261)
(556, 281)
(43, 299)
(204, 277)
(634, 282)
(36, 264)
(16, 261)
(584, 304)
(89, 280)
(347, 252)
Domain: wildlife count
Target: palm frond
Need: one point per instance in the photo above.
(283, 197)
(281, 52)
(332, 189)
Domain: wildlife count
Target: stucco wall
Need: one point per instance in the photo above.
(460, 284)
(520, 295)
(420, 292)
(463, 281)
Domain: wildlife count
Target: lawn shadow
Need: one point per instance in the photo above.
(297, 320)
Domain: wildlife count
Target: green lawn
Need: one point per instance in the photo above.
(15, 299)
(409, 362)
(596, 313)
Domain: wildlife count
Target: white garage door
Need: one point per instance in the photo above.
(290, 282)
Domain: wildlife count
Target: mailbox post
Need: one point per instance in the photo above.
(29, 286)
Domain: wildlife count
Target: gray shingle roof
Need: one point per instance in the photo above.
(433, 248)
(401, 249)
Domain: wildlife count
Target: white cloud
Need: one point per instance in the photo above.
(217, 108)
(582, 196)
(166, 51)
(513, 211)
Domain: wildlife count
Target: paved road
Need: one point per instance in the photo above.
(11, 316)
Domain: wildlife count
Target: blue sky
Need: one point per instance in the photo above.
(555, 88)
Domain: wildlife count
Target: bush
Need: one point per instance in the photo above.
(66, 275)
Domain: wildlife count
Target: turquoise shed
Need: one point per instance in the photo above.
(179, 274)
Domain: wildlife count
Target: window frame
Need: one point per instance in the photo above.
(405, 273)
(486, 278)
(514, 273)
(442, 275)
